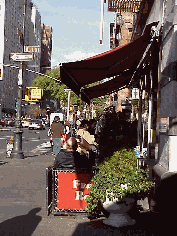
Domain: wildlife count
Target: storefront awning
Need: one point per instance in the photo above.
(105, 65)
(105, 88)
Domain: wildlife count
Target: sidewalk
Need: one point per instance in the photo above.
(23, 205)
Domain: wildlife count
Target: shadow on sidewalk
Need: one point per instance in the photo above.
(147, 224)
(29, 155)
(3, 162)
(21, 225)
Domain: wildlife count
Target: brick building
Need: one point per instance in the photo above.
(46, 48)
(123, 27)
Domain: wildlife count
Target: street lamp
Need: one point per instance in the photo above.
(17, 148)
(69, 93)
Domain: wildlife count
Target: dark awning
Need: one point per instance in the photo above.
(105, 65)
(105, 88)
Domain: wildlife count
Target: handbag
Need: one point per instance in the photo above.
(64, 138)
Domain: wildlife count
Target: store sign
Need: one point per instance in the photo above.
(32, 48)
(36, 93)
(164, 124)
(111, 36)
(136, 93)
(72, 190)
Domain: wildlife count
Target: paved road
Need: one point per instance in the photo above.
(23, 205)
(32, 141)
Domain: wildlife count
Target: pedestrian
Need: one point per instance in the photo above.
(49, 134)
(67, 133)
(78, 123)
(57, 131)
(67, 128)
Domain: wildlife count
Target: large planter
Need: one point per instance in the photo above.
(119, 212)
(119, 177)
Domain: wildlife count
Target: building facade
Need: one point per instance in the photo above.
(19, 20)
(122, 33)
(46, 48)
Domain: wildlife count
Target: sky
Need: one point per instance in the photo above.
(76, 28)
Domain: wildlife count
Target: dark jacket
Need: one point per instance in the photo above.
(71, 159)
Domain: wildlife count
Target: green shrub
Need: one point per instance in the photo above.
(113, 174)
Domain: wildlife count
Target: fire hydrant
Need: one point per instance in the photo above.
(10, 145)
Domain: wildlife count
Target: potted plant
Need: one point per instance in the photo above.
(117, 184)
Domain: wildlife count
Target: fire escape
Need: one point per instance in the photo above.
(124, 5)
(122, 8)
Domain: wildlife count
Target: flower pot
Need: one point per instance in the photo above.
(119, 212)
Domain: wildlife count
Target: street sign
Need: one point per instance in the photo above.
(21, 56)
(32, 48)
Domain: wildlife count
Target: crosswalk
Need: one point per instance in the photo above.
(43, 148)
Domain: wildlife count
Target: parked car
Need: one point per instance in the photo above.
(36, 124)
(2, 122)
(25, 123)
(7, 122)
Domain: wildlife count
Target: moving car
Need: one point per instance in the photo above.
(25, 123)
(7, 122)
(36, 124)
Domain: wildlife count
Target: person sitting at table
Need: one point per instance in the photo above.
(69, 157)
(86, 142)
(92, 126)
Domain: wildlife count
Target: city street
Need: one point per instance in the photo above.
(32, 141)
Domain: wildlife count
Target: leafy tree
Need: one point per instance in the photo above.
(35, 111)
(99, 103)
(53, 89)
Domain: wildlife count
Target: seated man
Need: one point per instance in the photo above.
(69, 157)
